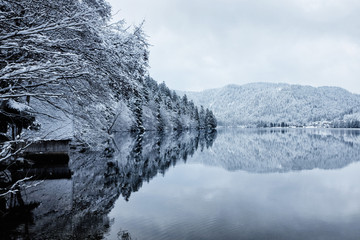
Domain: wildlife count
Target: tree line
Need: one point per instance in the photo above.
(66, 55)
(67, 58)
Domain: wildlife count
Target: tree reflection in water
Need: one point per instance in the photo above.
(152, 155)
(77, 208)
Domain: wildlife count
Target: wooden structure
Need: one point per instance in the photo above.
(46, 151)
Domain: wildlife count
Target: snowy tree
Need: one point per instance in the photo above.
(137, 110)
(66, 55)
(197, 117)
(33, 59)
(53, 50)
(210, 120)
(202, 118)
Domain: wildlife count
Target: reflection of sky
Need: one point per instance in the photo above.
(195, 201)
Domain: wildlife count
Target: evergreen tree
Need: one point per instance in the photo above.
(137, 110)
(159, 118)
(210, 120)
(70, 58)
(197, 118)
(202, 118)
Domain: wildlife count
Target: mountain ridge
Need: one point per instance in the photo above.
(264, 104)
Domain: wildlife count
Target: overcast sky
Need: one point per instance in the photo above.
(200, 44)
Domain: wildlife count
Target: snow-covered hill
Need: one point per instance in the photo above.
(266, 103)
(81, 77)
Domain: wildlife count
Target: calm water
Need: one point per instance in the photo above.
(236, 184)
(253, 184)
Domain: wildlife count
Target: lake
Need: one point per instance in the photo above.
(233, 184)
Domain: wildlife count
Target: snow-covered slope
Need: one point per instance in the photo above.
(254, 103)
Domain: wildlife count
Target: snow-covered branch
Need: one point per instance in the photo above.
(9, 155)
(5, 96)
(74, 22)
(16, 187)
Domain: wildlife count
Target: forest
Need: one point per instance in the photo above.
(66, 62)
(261, 104)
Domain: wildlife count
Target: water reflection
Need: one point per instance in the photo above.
(283, 150)
(144, 156)
(249, 182)
(201, 202)
(75, 206)
(249, 186)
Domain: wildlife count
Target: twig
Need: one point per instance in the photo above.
(12, 188)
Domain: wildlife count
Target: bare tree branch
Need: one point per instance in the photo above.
(16, 152)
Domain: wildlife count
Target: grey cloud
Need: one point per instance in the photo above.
(205, 44)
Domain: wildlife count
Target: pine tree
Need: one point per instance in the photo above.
(210, 120)
(137, 110)
(202, 118)
(197, 118)
(159, 118)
